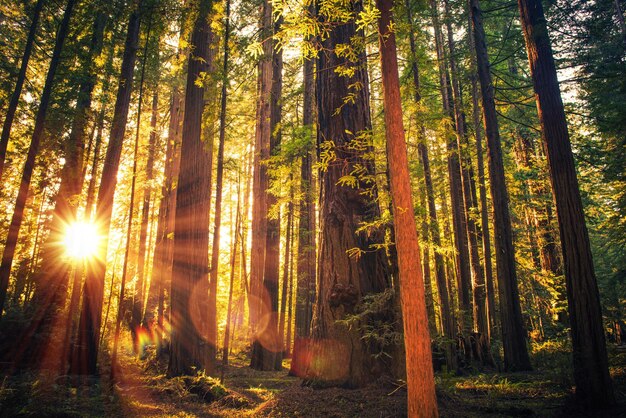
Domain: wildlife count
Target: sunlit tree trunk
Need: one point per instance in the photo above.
(306, 277)
(286, 266)
(422, 400)
(189, 308)
(591, 373)
(85, 355)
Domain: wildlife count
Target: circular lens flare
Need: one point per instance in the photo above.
(81, 240)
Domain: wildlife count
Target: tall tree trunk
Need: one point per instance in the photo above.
(87, 343)
(144, 242)
(447, 318)
(19, 83)
(191, 246)
(422, 400)
(463, 274)
(33, 150)
(286, 267)
(513, 333)
(258, 299)
(267, 353)
(484, 214)
(591, 374)
(215, 252)
(339, 355)
(52, 280)
(305, 292)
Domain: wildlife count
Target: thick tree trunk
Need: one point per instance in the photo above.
(33, 150)
(513, 333)
(87, 344)
(17, 91)
(591, 374)
(339, 355)
(259, 299)
(189, 307)
(422, 400)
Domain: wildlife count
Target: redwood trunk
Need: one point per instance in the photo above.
(422, 400)
(591, 374)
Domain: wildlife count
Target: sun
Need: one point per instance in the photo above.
(81, 239)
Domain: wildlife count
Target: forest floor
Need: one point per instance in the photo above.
(143, 390)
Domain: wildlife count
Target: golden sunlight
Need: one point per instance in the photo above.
(81, 239)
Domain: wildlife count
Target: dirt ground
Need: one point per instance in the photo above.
(142, 390)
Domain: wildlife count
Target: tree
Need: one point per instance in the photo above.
(33, 150)
(422, 399)
(591, 374)
(349, 265)
(513, 333)
(85, 355)
(191, 231)
(19, 83)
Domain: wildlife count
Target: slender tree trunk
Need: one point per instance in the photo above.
(591, 374)
(191, 232)
(463, 274)
(305, 293)
(33, 150)
(289, 304)
(17, 91)
(215, 252)
(422, 400)
(87, 343)
(447, 318)
(513, 332)
(484, 214)
(233, 265)
(286, 267)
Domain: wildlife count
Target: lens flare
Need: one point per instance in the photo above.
(81, 240)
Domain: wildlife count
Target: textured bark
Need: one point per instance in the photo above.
(447, 319)
(259, 299)
(88, 341)
(422, 400)
(19, 83)
(33, 151)
(191, 247)
(513, 333)
(591, 374)
(338, 353)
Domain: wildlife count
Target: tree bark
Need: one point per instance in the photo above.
(513, 333)
(422, 400)
(339, 355)
(189, 308)
(591, 374)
